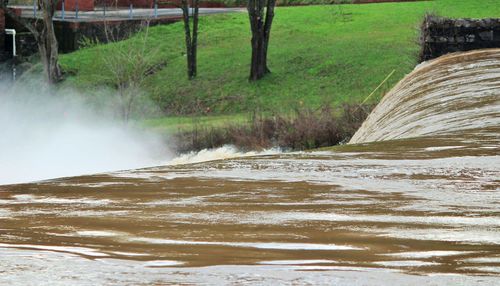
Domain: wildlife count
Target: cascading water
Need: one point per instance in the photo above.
(422, 209)
(447, 95)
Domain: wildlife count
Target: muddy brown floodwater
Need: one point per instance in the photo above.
(419, 210)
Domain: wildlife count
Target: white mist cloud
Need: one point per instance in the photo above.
(44, 136)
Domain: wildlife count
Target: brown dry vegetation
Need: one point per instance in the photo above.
(305, 129)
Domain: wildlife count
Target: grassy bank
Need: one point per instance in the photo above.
(319, 55)
(186, 123)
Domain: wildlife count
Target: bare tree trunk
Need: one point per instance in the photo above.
(49, 54)
(260, 25)
(191, 39)
(45, 36)
(194, 42)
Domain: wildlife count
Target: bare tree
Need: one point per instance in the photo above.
(129, 66)
(261, 14)
(43, 31)
(191, 37)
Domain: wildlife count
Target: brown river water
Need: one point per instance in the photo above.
(420, 206)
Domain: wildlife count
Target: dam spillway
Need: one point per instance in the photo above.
(419, 207)
(453, 93)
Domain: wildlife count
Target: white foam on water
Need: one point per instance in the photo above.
(340, 268)
(69, 249)
(428, 254)
(297, 262)
(406, 263)
(221, 153)
(486, 259)
(162, 263)
(441, 148)
(32, 199)
(24, 197)
(132, 254)
(295, 246)
(205, 155)
(99, 233)
(281, 217)
(259, 245)
(86, 185)
(489, 269)
(465, 235)
(91, 213)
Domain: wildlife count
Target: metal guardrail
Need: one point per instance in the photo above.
(76, 15)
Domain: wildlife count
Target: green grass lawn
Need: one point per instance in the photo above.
(184, 123)
(316, 57)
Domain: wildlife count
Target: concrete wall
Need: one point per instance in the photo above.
(71, 34)
(440, 36)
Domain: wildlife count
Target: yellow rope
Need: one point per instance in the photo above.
(378, 87)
